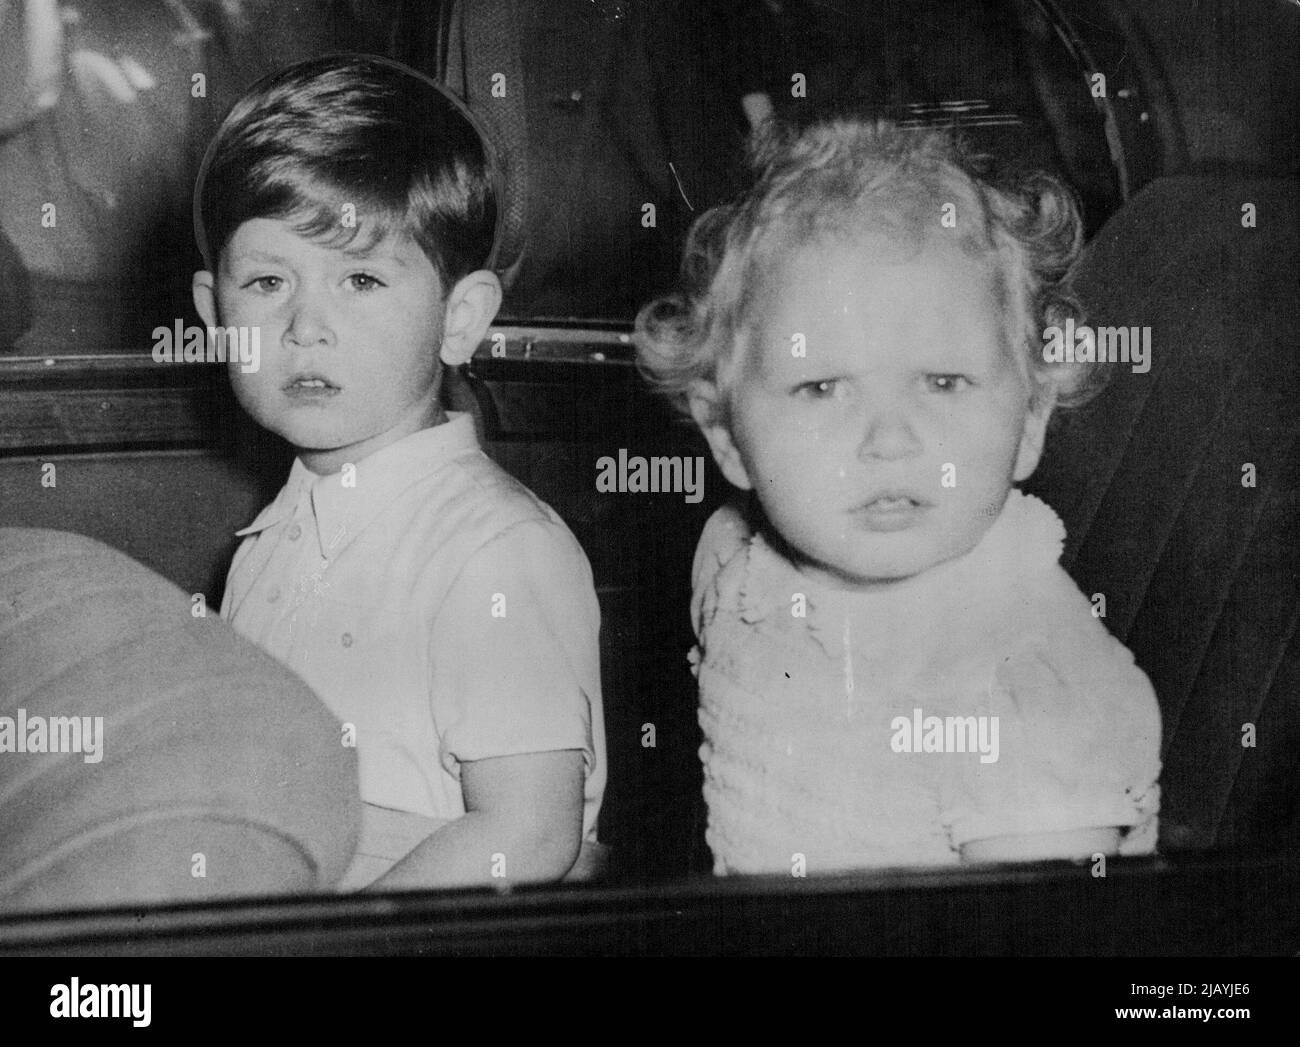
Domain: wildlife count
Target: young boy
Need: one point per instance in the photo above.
(445, 614)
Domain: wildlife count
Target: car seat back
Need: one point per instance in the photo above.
(1178, 488)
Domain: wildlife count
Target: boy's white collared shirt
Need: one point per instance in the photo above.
(438, 608)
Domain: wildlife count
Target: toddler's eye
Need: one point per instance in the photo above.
(947, 383)
(269, 284)
(365, 282)
(822, 390)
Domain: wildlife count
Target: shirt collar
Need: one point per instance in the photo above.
(341, 512)
(282, 507)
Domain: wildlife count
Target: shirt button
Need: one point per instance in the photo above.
(273, 595)
(295, 532)
(347, 639)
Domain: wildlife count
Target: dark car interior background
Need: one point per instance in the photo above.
(627, 104)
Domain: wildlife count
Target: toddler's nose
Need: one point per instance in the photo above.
(889, 435)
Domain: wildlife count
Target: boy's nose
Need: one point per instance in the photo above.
(888, 435)
(308, 323)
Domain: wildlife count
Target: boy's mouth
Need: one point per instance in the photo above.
(310, 387)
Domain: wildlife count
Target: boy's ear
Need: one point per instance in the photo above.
(705, 402)
(205, 299)
(1033, 437)
(471, 308)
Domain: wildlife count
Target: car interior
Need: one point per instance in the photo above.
(1179, 488)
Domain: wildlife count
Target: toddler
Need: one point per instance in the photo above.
(347, 211)
(893, 667)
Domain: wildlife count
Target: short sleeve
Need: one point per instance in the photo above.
(724, 535)
(1079, 745)
(514, 656)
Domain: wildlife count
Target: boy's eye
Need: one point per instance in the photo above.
(365, 282)
(947, 383)
(269, 284)
(821, 390)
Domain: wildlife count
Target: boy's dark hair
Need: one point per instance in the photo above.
(353, 129)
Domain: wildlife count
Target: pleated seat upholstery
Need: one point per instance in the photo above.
(1179, 492)
(217, 773)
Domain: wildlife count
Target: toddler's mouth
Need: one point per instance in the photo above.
(890, 511)
(887, 502)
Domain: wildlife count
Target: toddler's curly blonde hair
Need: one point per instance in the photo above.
(848, 175)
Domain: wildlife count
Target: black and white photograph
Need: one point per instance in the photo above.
(650, 479)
